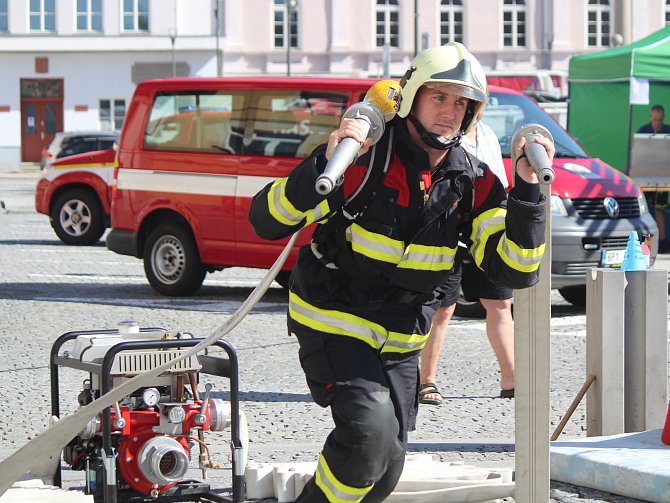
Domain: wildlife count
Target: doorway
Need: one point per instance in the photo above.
(41, 115)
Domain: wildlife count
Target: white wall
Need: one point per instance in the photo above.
(336, 38)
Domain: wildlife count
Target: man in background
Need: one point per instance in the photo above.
(658, 200)
(655, 125)
(482, 142)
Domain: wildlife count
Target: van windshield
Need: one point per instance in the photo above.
(506, 113)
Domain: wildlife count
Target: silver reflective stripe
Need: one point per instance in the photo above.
(284, 211)
(374, 245)
(439, 259)
(413, 346)
(318, 212)
(279, 201)
(526, 262)
(484, 226)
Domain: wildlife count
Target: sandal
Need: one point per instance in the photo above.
(429, 388)
(507, 393)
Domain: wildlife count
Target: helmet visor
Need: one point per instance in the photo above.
(457, 89)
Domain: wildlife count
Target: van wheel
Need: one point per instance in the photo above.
(171, 261)
(575, 295)
(468, 309)
(76, 217)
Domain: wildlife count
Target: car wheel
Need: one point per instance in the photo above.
(172, 262)
(76, 217)
(468, 309)
(283, 277)
(575, 295)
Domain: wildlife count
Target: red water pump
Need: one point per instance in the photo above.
(141, 447)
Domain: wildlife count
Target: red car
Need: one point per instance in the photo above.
(75, 193)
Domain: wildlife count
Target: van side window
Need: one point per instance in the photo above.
(504, 118)
(291, 123)
(506, 113)
(197, 121)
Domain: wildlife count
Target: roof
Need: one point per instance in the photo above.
(647, 58)
(324, 83)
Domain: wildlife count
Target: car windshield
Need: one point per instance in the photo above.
(507, 112)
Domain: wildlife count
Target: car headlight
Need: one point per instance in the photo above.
(642, 203)
(558, 207)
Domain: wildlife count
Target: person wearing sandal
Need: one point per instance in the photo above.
(362, 294)
(482, 142)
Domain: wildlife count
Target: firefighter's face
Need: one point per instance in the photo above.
(440, 112)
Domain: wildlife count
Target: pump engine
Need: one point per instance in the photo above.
(141, 448)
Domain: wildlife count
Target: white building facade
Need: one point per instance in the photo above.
(73, 64)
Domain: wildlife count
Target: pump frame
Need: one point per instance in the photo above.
(189, 490)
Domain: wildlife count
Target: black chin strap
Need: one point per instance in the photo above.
(433, 140)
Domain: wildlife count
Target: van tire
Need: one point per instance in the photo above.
(575, 295)
(77, 218)
(172, 262)
(469, 309)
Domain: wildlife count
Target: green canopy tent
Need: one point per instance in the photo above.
(600, 113)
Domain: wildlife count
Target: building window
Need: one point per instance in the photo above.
(112, 112)
(89, 15)
(42, 15)
(451, 21)
(285, 26)
(667, 11)
(135, 15)
(599, 23)
(514, 23)
(4, 24)
(386, 24)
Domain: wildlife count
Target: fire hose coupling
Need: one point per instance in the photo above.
(162, 460)
(536, 154)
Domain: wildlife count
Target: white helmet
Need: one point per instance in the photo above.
(450, 67)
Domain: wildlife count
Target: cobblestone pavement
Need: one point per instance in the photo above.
(48, 289)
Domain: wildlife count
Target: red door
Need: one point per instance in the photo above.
(41, 115)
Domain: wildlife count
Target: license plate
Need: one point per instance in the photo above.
(612, 258)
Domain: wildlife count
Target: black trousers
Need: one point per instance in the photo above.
(373, 401)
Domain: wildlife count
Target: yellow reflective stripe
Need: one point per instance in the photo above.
(373, 245)
(428, 258)
(336, 491)
(521, 259)
(283, 210)
(335, 322)
(483, 226)
(400, 343)
(315, 214)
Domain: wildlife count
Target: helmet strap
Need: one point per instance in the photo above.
(431, 139)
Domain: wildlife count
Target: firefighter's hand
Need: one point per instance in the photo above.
(349, 128)
(523, 167)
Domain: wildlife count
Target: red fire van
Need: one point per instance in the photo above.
(192, 153)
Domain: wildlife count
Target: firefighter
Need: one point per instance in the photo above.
(362, 293)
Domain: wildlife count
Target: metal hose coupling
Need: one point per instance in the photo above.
(536, 153)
